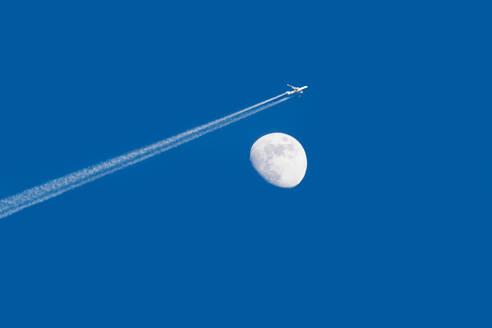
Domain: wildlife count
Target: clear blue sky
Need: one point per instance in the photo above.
(389, 228)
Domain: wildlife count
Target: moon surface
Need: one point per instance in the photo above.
(280, 159)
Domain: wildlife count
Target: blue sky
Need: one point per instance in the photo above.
(388, 227)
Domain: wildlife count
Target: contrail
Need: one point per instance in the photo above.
(55, 187)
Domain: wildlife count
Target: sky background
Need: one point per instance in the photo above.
(389, 228)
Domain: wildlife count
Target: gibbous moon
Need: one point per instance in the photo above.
(279, 159)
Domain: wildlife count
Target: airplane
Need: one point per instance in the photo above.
(296, 89)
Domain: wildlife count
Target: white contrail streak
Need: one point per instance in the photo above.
(53, 188)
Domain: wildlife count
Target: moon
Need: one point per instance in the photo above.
(280, 159)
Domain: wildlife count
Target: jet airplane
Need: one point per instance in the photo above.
(298, 90)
